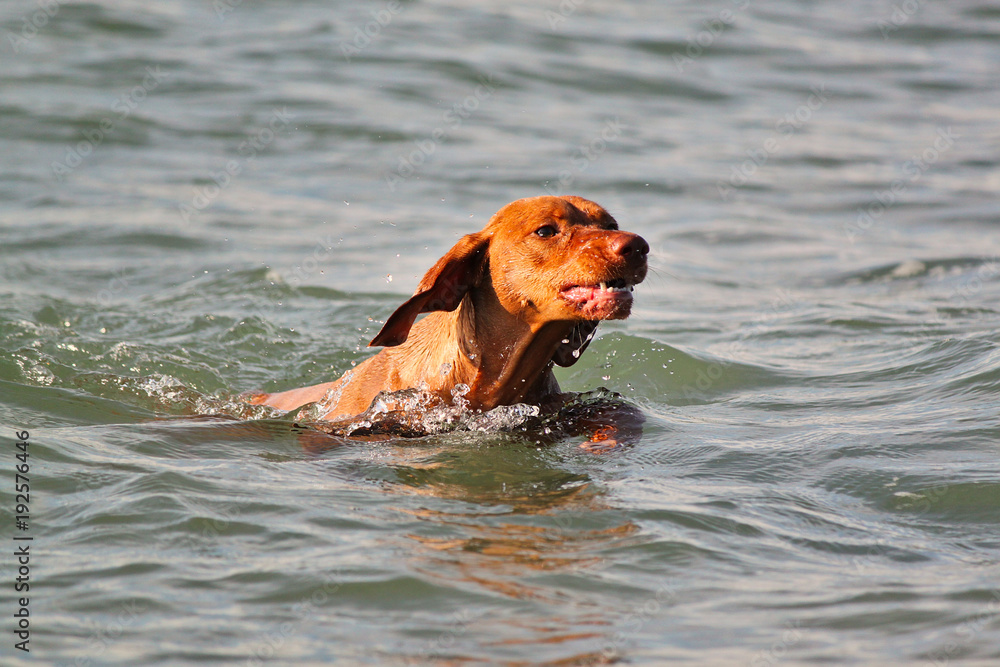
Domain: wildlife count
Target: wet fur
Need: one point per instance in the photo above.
(496, 319)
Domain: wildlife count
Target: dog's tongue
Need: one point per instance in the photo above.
(582, 293)
(599, 304)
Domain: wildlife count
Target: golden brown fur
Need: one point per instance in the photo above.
(504, 305)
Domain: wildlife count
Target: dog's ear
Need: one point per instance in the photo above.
(569, 353)
(442, 288)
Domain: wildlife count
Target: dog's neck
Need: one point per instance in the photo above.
(508, 358)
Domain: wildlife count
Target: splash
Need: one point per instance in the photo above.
(412, 413)
(409, 413)
(416, 412)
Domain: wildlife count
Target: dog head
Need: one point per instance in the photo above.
(547, 259)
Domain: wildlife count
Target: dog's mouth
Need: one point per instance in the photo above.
(606, 300)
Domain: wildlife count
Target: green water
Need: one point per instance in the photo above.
(815, 349)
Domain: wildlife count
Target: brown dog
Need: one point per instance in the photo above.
(505, 304)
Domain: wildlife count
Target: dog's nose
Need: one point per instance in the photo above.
(630, 246)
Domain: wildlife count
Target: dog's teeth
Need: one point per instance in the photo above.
(604, 286)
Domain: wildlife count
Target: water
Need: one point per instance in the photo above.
(815, 351)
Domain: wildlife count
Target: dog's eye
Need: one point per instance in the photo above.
(546, 232)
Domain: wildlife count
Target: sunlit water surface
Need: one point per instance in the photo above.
(202, 200)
